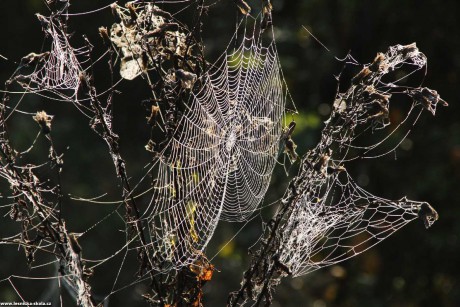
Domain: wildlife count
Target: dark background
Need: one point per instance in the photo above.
(414, 267)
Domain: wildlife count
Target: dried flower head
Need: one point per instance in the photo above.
(186, 78)
(44, 120)
(104, 33)
(151, 120)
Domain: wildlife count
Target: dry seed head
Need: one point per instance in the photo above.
(186, 78)
(267, 5)
(132, 11)
(151, 120)
(427, 98)
(361, 75)
(44, 120)
(104, 33)
(428, 215)
(44, 22)
(115, 12)
(376, 64)
(150, 147)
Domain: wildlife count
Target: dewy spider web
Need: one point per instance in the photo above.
(339, 221)
(324, 216)
(219, 163)
(60, 69)
(333, 219)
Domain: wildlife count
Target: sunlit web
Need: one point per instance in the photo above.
(338, 221)
(219, 163)
(58, 70)
(334, 219)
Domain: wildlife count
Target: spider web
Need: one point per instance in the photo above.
(58, 70)
(325, 217)
(219, 163)
(332, 218)
(338, 221)
(218, 166)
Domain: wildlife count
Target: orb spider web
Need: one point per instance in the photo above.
(218, 164)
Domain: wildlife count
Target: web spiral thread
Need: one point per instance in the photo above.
(219, 164)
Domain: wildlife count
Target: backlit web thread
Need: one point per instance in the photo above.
(338, 221)
(332, 218)
(61, 69)
(219, 163)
